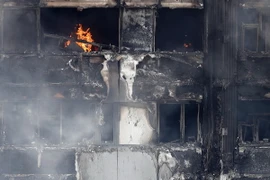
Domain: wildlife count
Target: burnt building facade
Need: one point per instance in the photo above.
(132, 89)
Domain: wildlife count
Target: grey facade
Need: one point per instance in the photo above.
(172, 90)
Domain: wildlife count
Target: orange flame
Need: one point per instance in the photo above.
(83, 35)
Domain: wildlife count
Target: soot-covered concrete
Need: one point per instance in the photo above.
(67, 114)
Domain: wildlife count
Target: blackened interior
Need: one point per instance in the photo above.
(170, 115)
(169, 122)
(254, 114)
(103, 24)
(176, 29)
(191, 123)
(19, 29)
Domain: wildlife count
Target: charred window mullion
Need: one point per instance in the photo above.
(182, 123)
(179, 123)
(2, 124)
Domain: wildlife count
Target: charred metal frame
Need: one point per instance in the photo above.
(255, 127)
(182, 120)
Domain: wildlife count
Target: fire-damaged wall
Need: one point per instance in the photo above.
(156, 89)
(70, 113)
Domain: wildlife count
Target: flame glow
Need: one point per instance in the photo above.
(187, 45)
(82, 35)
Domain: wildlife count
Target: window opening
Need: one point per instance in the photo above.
(179, 30)
(83, 31)
(179, 122)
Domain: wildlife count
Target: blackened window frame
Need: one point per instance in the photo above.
(255, 127)
(202, 34)
(183, 119)
(262, 24)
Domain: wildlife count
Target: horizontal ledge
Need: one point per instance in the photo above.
(174, 5)
(109, 3)
(254, 4)
(140, 4)
(78, 4)
(34, 175)
(243, 98)
(33, 85)
(106, 4)
(257, 176)
(255, 55)
(182, 5)
(108, 146)
(263, 145)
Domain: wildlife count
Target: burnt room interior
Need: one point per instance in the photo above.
(102, 23)
(150, 90)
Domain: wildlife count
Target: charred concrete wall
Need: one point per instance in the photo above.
(69, 114)
(252, 159)
(253, 162)
(76, 115)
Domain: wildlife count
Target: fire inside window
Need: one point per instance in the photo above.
(179, 123)
(83, 31)
(179, 30)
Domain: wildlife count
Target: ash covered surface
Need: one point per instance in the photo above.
(254, 160)
(180, 162)
(137, 29)
(39, 78)
(167, 79)
(20, 2)
(254, 72)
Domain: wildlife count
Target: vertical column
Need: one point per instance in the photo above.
(229, 89)
(214, 56)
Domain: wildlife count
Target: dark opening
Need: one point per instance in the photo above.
(169, 122)
(251, 107)
(191, 123)
(179, 30)
(251, 39)
(247, 133)
(264, 128)
(20, 30)
(253, 25)
(107, 128)
(254, 115)
(103, 24)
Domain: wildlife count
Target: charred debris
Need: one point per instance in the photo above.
(154, 89)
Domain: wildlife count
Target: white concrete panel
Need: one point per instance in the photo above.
(134, 127)
(197, 4)
(97, 165)
(136, 164)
